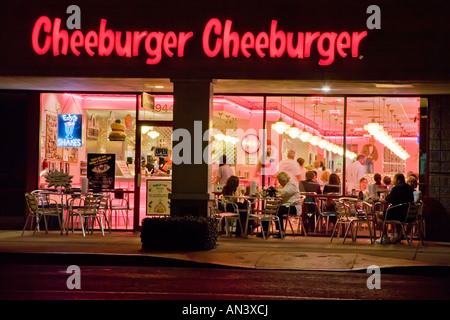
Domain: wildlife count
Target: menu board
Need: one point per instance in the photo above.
(158, 202)
(101, 170)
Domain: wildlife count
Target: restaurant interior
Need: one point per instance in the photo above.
(315, 127)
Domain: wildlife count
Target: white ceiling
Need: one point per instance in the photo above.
(365, 105)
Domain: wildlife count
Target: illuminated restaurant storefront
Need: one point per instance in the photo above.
(331, 81)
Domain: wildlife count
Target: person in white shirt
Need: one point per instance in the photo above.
(355, 172)
(290, 195)
(225, 171)
(291, 167)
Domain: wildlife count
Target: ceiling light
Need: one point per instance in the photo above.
(153, 134)
(326, 89)
(293, 132)
(280, 126)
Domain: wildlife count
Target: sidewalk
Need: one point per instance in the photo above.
(291, 253)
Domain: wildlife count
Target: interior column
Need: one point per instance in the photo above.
(192, 115)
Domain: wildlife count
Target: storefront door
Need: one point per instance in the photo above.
(155, 177)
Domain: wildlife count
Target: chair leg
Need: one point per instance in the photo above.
(60, 225)
(334, 230)
(372, 239)
(300, 223)
(38, 221)
(82, 226)
(45, 223)
(346, 231)
(26, 222)
(404, 233)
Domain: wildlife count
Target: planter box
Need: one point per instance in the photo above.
(189, 233)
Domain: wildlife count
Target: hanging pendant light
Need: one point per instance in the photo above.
(280, 126)
(293, 131)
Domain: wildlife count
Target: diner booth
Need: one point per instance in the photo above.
(144, 110)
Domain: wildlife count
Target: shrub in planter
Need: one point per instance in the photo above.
(188, 233)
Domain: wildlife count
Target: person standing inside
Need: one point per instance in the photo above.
(355, 173)
(371, 153)
(303, 170)
(224, 172)
(291, 167)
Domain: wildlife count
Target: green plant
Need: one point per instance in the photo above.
(188, 233)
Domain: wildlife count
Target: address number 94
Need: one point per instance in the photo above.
(163, 108)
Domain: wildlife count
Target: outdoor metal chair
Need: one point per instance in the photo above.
(226, 216)
(269, 214)
(120, 204)
(40, 206)
(87, 208)
(412, 214)
(288, 217)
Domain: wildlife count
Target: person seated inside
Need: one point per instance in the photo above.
(229, 190)
(377, 181)
(323, 179)
(400, 193)
(333, 186)
(309, 185)
(387, 182)
(412, 181)
(290, 203)
(363, 189)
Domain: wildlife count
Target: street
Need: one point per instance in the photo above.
(50, 282)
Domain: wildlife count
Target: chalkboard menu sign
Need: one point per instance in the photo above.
(101, 171)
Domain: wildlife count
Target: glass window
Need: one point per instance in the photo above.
(385, 131)
(238, 134)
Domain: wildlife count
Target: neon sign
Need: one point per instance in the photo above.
(69, 130)
(218, 39)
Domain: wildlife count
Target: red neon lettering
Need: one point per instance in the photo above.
(77, 40)
(183, 38)
(126, 49)
(46, 35)
(343, 42)
(104, 34)
(91, 41)
(329, 53)
(170, 42)
(137, 38)
(154, 53)
(356, 39)
(213, 23)
(295, 52)
(262, 42)
(247, 42)
(57, 36)
(46, 24)
(309, 38)
(229, 37)
(276, 36)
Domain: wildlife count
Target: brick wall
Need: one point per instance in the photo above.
(438, 203)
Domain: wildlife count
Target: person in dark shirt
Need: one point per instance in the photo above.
(333, 185)
(400, 193)
(309, 185)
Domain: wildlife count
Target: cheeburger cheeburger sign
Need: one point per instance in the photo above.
(219, 38)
